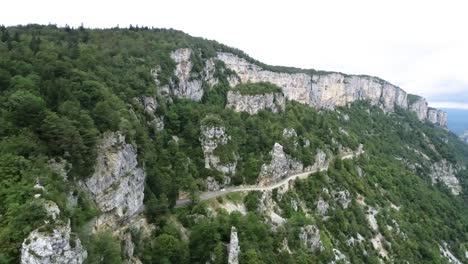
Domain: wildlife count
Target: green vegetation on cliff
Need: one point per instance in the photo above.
(256, 88)
(62, 88)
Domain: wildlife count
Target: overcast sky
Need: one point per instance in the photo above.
(422, 46)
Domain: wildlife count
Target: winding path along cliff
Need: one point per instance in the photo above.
(270, 185)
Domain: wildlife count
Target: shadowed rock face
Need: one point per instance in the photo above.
(52, 247)
(117, 184)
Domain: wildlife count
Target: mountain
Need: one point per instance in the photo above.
(148, 145)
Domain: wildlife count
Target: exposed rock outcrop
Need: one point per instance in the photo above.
(117, 184)
(437, 117)
(321, 91)
(213, 185)
(57, 246)
(443, 171)
(419, 106)
(52, 209)
(187, 84)
(234, 248)
(185, 87)
(444, 250)
(339, 257)
(150, 105)
(423, 112)
(251, 104)
(310, 238)
(211, 138)
(330, 90)
(334, 89)
(281, 165)
(342, 197)
(295, 86)
(464, 136)
(322, 207)
(321, 161)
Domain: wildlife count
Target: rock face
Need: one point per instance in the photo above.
(310, 238)
(187, 84)
(117, 184)
(150, 105)
(251, 104)
(437, 117)
(334, 89)
(444, 172)
(444, 251)
(212, 137)
(55, 247)
(330, 90)
(281, 165)
(320, 91)
(186, 87)
(295, 86)
(321, 161)
(233, 249)
(423, 112)
(342, 197)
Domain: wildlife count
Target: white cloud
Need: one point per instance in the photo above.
(418, 45)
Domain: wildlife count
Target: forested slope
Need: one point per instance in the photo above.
(101, 131)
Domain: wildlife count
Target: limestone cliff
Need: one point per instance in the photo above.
(281, 165)
(233, 249)
(56, 246)
(319, 90)
(437, 117)
(185, 83)
(253, 103)
(117, 184)
(444, 172)
(211, 138)
(419, 106)
(330, 90)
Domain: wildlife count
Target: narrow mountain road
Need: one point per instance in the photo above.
(249, 188)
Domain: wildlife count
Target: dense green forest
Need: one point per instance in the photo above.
(61, 89)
